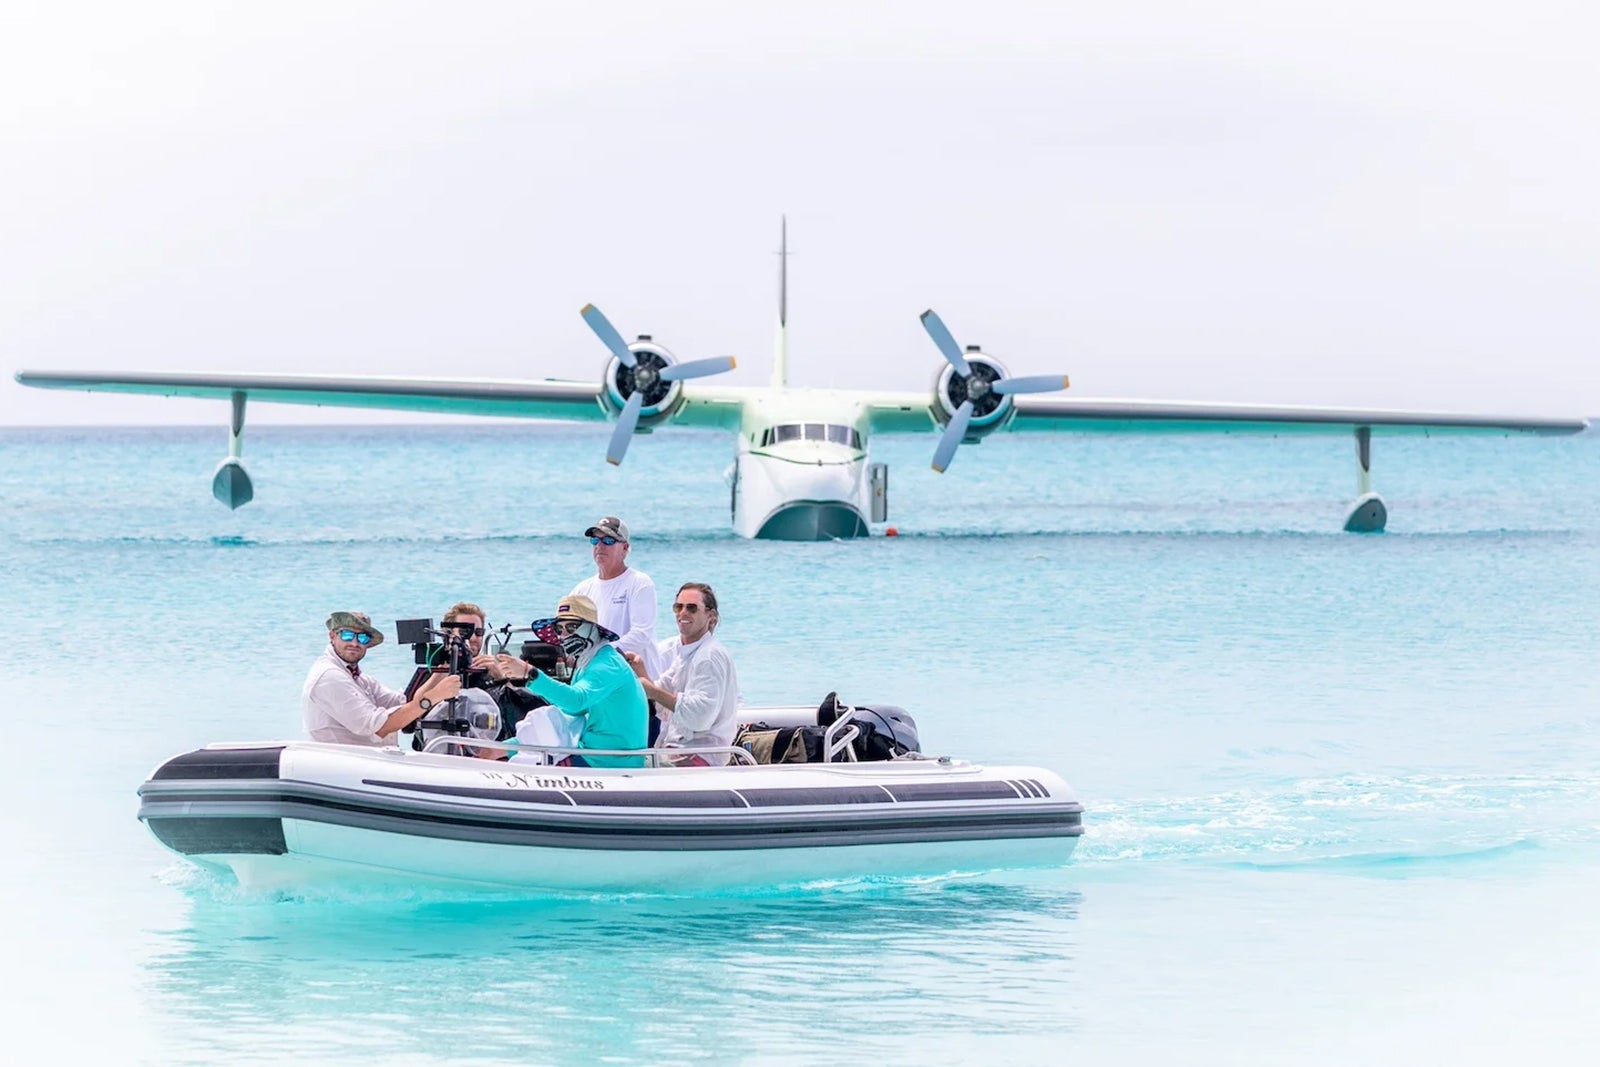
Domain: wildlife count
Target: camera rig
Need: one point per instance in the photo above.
(445, 647)
(472, 714)
(485, 709)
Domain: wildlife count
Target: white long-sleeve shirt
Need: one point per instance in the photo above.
(339, 707)
(626, 605)
(707, 687)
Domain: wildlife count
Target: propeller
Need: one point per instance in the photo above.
(646, 375)
(950, 440)
(979, 385)
(627, 422)
(608, 334)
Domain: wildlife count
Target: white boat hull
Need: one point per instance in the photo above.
(302, 815)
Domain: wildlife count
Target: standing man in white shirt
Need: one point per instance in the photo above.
(697, 697)
(624, 596)
(340, 704)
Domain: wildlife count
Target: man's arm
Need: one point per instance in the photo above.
(705, 686)
(664, 697)
(663, 692)
(381, 694)
(440, 687)
(344, 702)
(641, 635)
(352, 706)
(575, 699)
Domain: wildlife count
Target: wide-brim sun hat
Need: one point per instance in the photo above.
(580, 608)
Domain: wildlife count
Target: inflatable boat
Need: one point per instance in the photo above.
(298, 815)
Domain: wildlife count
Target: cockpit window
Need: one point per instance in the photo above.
(812, 431)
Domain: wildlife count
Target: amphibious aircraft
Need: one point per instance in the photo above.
(800, 468)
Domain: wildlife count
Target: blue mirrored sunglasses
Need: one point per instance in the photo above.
(361, 638)
(602, 540)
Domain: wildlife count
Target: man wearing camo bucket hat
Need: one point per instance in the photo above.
(604, 692)
(341, 704)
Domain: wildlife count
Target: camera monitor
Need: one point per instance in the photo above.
(413, 631)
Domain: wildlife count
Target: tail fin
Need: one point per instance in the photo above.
(780, 356)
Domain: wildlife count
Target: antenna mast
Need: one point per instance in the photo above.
(780, 359)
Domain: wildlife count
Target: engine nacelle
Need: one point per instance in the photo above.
(661, 399)
(990, 410)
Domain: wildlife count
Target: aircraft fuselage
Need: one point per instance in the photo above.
(800, 468)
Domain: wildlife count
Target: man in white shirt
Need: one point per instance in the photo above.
(340, 704)
(697, 698)
(624, 596)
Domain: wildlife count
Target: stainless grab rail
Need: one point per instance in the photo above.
(836, 737)
(653, 755)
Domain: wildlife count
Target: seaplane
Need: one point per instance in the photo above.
(801, 469)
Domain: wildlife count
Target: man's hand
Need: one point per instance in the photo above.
(504, 667)
(485, 662)
(636, 663)
(440, 687)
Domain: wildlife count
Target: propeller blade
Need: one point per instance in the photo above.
(624, 431)
(697, 368)
(952, 436)
(947, 344)
(608, 334)
(1039, 383)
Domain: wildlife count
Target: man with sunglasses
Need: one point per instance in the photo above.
(466, 619)
(340, 704)
(697, 698)
(625, 596)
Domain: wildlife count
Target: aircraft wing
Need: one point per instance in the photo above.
(900, 412)
(912, 413)
(549, 399)
(1057, 414)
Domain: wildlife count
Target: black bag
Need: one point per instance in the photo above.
(789, 744)
(515, 702)
(804, 744)
(756, 739)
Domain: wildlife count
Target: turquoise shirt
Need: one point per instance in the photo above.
(607, 694)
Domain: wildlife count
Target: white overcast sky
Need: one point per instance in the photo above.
(1357, 203)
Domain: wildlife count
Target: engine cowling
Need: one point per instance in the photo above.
(661, 398)
(990, 410)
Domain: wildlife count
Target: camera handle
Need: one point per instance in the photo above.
(504, 635)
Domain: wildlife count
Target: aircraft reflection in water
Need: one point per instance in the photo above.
(801, 469)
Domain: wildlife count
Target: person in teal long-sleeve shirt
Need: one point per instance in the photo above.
(604, 690)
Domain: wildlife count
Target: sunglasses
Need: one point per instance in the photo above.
(608, 541)
(476, 631)
(567, 626)
(692, 609)
(359, 637)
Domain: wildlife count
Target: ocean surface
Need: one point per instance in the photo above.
(1342, 792)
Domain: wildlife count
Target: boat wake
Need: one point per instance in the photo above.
(1359, 823)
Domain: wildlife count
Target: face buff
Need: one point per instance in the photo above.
(581, 645)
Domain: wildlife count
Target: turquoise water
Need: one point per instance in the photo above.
(1342, 792)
